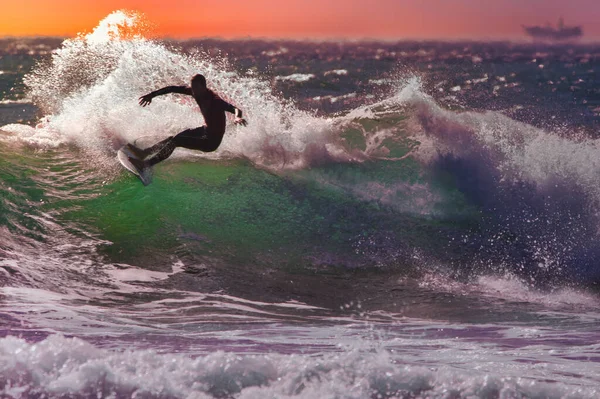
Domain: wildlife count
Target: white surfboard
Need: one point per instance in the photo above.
(145, 174)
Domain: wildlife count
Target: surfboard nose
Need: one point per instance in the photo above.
(135, 165)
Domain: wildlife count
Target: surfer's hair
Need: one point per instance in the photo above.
(199, 79)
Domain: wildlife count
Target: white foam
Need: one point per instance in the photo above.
(279, 51)
(297, 77)
(59, 366)
(128, 273)
(18, 101)
(512, 288)
(42, 138)
(339, 72)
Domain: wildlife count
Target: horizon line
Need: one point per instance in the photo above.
(511, 39)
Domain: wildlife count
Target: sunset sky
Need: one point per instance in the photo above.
(387, 19)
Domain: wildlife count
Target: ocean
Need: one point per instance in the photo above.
(397, 220)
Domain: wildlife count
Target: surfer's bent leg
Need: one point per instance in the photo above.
(193, 139)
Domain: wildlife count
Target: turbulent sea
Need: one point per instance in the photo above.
(398, 220)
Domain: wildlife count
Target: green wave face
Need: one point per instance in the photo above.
(236, 211)
(224, 211)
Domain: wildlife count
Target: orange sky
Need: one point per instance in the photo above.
(390, 19)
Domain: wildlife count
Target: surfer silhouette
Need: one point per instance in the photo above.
(205, 138)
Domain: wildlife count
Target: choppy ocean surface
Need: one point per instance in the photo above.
(398, 220)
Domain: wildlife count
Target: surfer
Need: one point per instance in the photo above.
(205, 138)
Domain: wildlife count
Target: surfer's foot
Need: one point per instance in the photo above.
(138, 163)
(136, 152)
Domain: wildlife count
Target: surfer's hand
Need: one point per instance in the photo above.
(240, 121)
(145, 100)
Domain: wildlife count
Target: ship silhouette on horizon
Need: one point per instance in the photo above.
(550, 33)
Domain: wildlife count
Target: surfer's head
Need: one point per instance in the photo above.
(198, 84)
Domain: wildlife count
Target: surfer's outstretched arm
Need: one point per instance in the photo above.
(147, 99)
(238, 118)
(236, 111)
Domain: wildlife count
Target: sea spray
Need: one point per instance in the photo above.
(89, 91)
(539, 192)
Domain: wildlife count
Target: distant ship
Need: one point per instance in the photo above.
(550, 33)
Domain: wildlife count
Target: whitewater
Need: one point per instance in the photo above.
(411, 220)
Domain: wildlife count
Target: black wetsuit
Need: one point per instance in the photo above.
(205, 138)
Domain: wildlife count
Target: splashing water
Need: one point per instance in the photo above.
(89, 93)
(539, 191)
